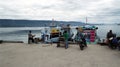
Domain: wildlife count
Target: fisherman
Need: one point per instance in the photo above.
(80, 37)
(65, 35)
(68, 29)
(110, 36)
(30, 37)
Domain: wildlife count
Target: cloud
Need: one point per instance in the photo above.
(76, 10)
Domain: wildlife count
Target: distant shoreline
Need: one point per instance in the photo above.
(48, 26)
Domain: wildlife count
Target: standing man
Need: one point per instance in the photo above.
(65, 35)
(30, 37)
(80, 38)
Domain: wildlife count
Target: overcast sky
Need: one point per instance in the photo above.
(97, 11)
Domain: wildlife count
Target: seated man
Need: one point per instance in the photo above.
(30, 37)
(109, 37)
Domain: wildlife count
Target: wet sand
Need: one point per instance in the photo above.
(40, 55)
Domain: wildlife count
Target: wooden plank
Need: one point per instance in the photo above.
(1, 41)
(12, 41)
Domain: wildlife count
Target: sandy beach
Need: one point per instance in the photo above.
(39, 55)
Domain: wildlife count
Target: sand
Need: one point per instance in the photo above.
(40, 55)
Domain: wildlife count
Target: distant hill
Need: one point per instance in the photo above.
(34, 23)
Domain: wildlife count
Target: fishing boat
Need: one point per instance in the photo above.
(90, 33)
(54, 30)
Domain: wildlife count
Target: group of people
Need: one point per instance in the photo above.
(79, 38)
(113, 41)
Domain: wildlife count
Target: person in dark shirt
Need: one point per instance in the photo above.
(110, 36)
(30, 37)
(80, 37)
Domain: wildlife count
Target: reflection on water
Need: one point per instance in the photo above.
(21, 33)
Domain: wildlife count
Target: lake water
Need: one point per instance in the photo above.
(21, 33)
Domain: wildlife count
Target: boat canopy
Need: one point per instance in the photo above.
(89, 27)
